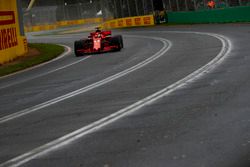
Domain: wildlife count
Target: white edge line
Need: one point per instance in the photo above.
(157, 55)
(65, 53)
(46, 73)
(60, 142)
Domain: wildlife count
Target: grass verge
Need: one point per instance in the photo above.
(38, 53)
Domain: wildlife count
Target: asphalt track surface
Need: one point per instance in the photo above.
(173, 97)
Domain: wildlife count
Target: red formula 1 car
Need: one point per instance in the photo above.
(98, 42)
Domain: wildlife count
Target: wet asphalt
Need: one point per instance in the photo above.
(204, 124)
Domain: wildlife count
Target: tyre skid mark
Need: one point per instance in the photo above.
(69, 138)
(167, 45)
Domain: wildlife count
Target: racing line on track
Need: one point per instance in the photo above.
(60, 142)
(46, 73)
(68, 51)
(167, 45)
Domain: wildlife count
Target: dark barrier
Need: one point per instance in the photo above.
(223, 15)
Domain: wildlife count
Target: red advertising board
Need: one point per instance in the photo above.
(7, 17)
(112, 24)
(8, 34)
(147, 20)
(120, 23)
(138, 21)
(128, 22)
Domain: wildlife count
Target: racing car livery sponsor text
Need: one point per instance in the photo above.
(8, 38)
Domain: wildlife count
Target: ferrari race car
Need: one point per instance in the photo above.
(98, 42)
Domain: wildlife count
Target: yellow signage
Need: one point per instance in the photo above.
(147, 20)
(12, 44)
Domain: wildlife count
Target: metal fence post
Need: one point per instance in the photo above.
(129, 12)
(103, 9)
(143, 5)
(20, 17)
(177, 4)
(195, 6)
(240, 2)
(79, 10)
(204, 3)
(152, 5)
(136, 8)
(121, 7)
(186, 5)
(170, 5)
(115, 6)
(163, 4)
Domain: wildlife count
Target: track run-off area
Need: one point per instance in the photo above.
(174, 96)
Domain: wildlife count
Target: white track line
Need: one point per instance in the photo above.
(65, 140)
(68, 51)
(46, 73)
(167, 45)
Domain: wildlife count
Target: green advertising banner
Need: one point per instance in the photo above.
(222, 15)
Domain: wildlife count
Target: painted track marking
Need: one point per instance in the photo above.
(60, 142)
(39, 65)
(46, 73)
(166, 46)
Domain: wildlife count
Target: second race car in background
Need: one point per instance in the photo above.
(98, 42)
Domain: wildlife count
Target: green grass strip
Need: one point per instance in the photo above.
(47, 52)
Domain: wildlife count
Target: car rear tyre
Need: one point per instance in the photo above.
(117, 40)
(78, 46)
(120, 40)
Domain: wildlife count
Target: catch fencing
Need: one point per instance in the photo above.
(196, 5)
(93, 11)
(50, 17)
(128, 8)
(226, 15)
(181, 11)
